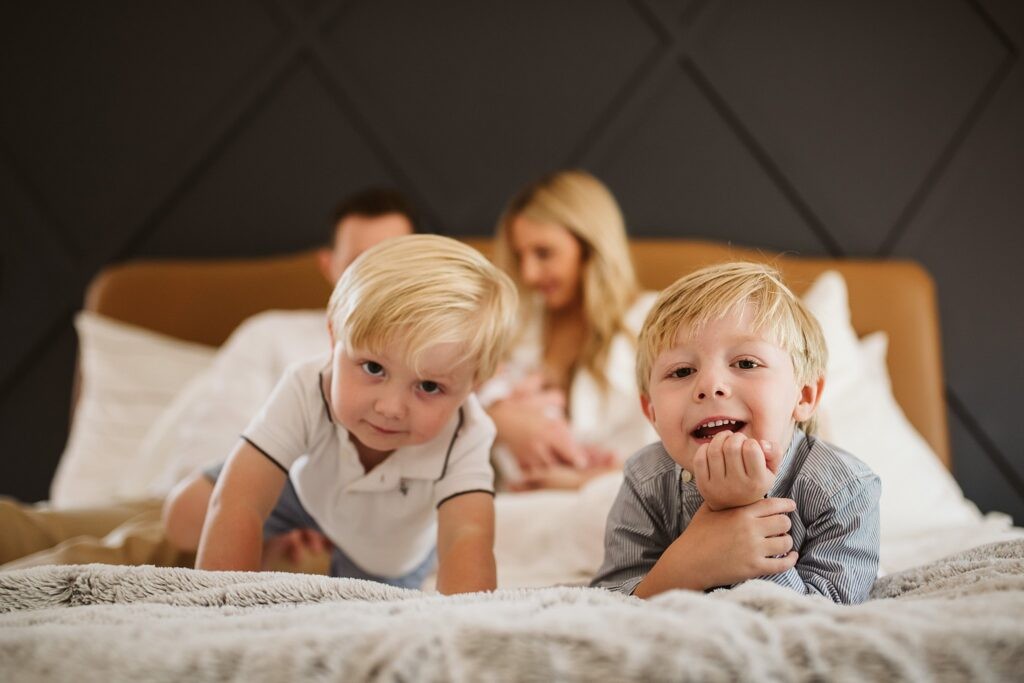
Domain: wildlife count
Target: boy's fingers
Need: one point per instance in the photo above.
(700, 463)
(777, 565)
(772, 455)
(778, 545)
(776, 525)
(753, 457)
(733, 451)
(773, 506)
(716, 458)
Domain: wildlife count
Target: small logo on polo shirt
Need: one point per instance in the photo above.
(403, 487)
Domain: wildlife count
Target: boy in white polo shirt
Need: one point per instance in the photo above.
(381, 446)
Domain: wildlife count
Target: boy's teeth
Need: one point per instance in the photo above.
(718, 423)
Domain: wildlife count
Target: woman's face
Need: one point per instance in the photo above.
(550, 261)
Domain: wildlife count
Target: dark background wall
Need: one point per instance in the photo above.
(889, 128)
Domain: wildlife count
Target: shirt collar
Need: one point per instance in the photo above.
(782, 485)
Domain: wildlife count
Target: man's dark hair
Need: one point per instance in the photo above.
(372, 203)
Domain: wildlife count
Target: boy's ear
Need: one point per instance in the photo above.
(647, 407)
(810, 397)
(330, 333)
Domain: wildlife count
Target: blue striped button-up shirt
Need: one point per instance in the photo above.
(835, 525)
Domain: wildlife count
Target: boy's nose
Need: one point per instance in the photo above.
(711, 385)
(390, 405)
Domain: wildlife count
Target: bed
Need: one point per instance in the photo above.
(947, 606)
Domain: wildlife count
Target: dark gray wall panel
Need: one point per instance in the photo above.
(485, 96)
(854, 100)
(679, 168)
(34, 413)
(247, 202)
(969, 234)
(982, 479)
(858, 127)
(109, 99)
(39, 283)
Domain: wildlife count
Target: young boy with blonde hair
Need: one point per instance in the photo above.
(381, 446)
(730, 367)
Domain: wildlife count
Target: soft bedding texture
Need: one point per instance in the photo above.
(956, 619)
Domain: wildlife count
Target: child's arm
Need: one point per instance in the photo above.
(734, 470)
(839, 554)
(465, 544)
(646, 554)
(243, 498)
(725, 547)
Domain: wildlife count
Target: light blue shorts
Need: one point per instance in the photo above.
(289, 514)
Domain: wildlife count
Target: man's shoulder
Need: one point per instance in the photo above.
(650, 462)
(274, 320)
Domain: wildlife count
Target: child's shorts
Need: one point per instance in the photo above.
(288, 514)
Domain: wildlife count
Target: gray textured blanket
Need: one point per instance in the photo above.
(957, 619)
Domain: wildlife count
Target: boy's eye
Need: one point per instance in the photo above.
(679, 373)
(747, 364)
(373, 368)
(429, 387)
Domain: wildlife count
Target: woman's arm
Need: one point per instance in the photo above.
(465, 544)
(243, 498)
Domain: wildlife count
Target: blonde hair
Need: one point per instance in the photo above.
(581, 204)
(710, 294)
(416, 291)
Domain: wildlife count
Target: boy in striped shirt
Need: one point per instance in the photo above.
(730, 367)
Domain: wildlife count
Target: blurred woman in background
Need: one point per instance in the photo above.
(566, 403)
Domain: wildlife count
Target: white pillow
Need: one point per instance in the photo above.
(859, 414)
(918, 493)
(129, 375)
(202, 424)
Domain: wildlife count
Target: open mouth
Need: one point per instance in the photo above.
(706, 430)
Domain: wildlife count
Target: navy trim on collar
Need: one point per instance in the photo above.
(451, 444)
(323, 395)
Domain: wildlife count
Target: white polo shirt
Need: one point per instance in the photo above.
(385, 520)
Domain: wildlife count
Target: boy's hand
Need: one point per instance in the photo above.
(724, 548)
(293, 548)
(734, 470)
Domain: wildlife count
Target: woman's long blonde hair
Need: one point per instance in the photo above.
(581, 204)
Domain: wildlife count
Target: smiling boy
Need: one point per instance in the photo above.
(730, 368)
(381, 446)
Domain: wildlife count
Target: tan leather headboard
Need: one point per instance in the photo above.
(204, 301)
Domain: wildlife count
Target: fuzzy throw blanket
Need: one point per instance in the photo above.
(956, 619)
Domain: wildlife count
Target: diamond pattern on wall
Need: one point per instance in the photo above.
(442, 93)
(109, 97)
(300, 133)
(856, 125)
(969, 235)
(678, 168)
(38, 281)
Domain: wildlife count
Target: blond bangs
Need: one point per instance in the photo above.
(413, 293)
(714, 292)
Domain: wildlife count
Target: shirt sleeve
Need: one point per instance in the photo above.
(279, 430)
(839, 556)
(634, 539)
(468, 465)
